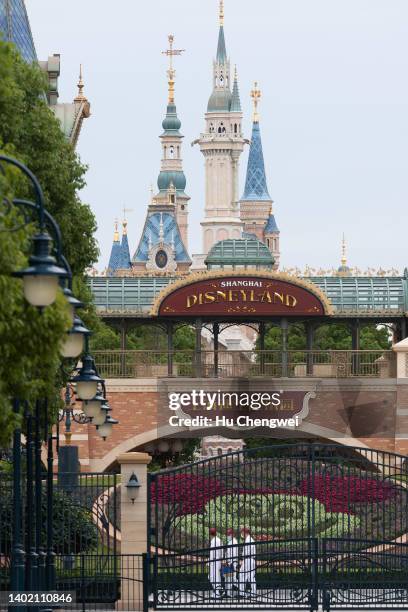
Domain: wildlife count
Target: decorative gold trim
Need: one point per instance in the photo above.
(202, 276)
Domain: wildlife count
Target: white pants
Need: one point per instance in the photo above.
(231, 580)
(215, 576)
(247, 574)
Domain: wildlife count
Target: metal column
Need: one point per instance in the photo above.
(216, 333)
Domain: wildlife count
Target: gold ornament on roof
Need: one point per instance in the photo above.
(81, 96)
(171, 73)
(256, 95)
(116, 233)
(221, 12)
(343, 252)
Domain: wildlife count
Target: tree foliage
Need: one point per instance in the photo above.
(30, 339)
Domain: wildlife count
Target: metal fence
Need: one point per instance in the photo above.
(247, 364)
(327, 525)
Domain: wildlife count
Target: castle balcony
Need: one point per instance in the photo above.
(246, 364)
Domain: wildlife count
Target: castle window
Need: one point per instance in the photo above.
(172, 152)
(172, 198)
(236, 129)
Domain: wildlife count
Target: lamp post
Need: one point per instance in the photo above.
(34, 569)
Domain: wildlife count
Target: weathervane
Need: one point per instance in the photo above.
(255, 95)
(171, 73)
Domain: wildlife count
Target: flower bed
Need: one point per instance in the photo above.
(357, 503)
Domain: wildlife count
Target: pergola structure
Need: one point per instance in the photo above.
(354, 301)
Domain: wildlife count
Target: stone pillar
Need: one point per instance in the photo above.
(401, 350)
(133, 527)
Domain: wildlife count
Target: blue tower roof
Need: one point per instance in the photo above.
(125, 263)
(115, 258)
(235, 100)
(15, 28)
(221, 48)
(271, 225)
(256, 188)
(171, 123)
(151, 236)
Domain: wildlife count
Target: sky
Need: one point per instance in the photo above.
(334, 112)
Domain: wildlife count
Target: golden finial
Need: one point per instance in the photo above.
(124, 222)
(116, 234)
(171, 73)
(221, 12)
(343, 252)
(80, 95)
(235, 73)
(255, 95)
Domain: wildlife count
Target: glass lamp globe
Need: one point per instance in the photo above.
(86, 389)
(73, 345)
(99, 418)
(91, 408)
(105, 430)
(40, 290)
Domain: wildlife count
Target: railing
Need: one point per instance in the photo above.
(245, 364)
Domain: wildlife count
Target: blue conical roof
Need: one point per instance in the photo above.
(15, 27)
(124, 262)
(235, 100)
(256, 188)
(221, 48)
(115, 258)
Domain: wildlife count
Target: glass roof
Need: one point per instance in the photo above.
(365, 296)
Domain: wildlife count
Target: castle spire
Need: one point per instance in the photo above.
(116, 251)
(343, 270)
(80, 96)
(343, 251)
(221, 47)
(256, 188)
(235, 100)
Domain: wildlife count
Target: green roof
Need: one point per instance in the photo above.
(362, 296)
(249, 251)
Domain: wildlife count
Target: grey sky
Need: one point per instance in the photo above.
(334, 114)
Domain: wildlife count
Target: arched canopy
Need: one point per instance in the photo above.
(234, 294)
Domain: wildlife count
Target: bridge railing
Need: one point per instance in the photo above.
(245, 364)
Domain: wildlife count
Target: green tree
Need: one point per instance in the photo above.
(29, 339)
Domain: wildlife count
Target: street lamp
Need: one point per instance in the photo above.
(100, 417)
(75, 338)
(40, 279)
(105, 430)
(87, 379)
(93, 407)
(133, 485)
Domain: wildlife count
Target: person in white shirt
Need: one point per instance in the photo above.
(247, 572)
(231, 562)
(216, 557)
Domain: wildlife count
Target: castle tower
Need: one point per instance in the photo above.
(222, 144)
(162, 247)
(171, 171)
(124, 263)
(256, 203)
(116, 251)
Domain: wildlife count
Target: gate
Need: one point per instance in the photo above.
(328, 525)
